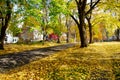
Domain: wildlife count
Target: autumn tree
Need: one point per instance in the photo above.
(107, 15)
(113, 6)
(82, 13)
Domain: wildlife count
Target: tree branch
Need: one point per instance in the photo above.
(77, 2)
(84, 4)
(87, 17)
(74, 19)
(92, 7)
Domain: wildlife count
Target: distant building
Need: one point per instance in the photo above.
(37, 36)
(28, 35)
(10, 39)
(112, 38)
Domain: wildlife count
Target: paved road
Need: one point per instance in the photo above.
(13, 60)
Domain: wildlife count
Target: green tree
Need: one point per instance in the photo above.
(57, 18)
(11, 8)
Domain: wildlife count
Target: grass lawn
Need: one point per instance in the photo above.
(99, 61)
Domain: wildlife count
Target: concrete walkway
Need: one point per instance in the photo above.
(13, 60)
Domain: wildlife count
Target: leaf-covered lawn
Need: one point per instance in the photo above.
(99, 61)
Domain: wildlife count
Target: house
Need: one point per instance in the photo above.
(10, 38)
(37, 36)
(27, 35)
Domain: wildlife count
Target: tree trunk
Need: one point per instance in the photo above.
(90, 31)
(2, 45)
(58, 41)
(118, 34)
(5, 22)
(83, 37)
(44, 36)
(2, 37)
(82, 13)
(68, 25)
(67, 40)
(82, 28)
(68, 34)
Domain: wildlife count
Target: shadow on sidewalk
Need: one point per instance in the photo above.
(13, 60)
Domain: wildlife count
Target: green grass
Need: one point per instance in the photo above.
(99, 61)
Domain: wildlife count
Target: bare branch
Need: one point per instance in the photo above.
(87, 17)
(75, 19)
(84, 4)
(92, 7)
(77, 2)
(91, 3)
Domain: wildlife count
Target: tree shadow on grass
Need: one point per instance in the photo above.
(102, 67)
(116, 68)
(13, 60)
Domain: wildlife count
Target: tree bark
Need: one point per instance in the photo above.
(58, 41)
(118, 34)
(68, 30)
(81, 22)
(68, 35)
(5, 22)
(1, 35)
(82, 27)
(90, 30)
(82, 32)
(90, 33)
